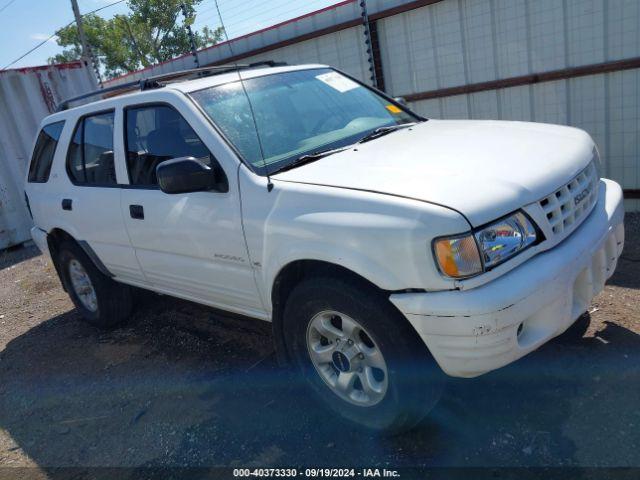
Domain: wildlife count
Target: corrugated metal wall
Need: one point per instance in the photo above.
(26, 96)
(431, 45)
(327, 46)
(462, 42)
(344, 50)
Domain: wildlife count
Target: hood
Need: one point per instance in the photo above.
(482, 169)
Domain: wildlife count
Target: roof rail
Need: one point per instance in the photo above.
(159, 81)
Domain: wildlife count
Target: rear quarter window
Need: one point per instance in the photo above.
(44, 151)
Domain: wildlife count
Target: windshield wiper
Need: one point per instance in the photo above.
(380, 131)
(310, 157)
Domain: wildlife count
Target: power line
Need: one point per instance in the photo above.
(37, 46)
(6, 5)
(258, 18)
(202, 21)
(102, 8)
(54, 33)
(256, 10)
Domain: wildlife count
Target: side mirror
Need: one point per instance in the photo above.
(184, 175)
(400, 100)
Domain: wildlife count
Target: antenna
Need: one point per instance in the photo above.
(253, 115)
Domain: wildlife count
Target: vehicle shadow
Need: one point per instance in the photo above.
(627, 274)
(182, 386)
(13, 255)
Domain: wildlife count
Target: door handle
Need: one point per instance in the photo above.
(136, 211)
(67, 204)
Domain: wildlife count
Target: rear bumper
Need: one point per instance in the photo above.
(470, 332)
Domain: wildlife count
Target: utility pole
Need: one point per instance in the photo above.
(87, 55)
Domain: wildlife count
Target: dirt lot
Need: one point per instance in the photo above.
(183, 386)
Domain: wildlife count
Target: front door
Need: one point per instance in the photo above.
(189, 245)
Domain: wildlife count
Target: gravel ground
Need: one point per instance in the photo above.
(184, 386)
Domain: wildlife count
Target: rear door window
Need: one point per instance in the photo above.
(90, 158)
(43, 153)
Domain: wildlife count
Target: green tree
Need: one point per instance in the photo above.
(153, 31)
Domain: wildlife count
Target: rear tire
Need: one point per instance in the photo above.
(402, 377)
(101, 301)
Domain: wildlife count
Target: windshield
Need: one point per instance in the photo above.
(296, 113)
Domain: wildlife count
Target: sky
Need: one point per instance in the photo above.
(25, 23)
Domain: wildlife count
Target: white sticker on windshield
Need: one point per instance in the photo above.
(337, 81)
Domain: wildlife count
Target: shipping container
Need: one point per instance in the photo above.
(27, 95)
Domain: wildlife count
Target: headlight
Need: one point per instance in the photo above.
(467, 255)
(505, 238)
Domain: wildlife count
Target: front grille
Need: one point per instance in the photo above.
(568, 206)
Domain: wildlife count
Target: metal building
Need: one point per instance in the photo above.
(574, 62)
(27, 95)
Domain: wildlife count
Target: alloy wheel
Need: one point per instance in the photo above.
(347, 359)
(82, 285)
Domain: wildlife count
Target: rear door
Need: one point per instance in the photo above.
(190, 245)
(88, 200)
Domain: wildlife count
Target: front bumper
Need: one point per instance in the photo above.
(470, 332)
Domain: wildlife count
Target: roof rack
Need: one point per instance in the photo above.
(159, 81)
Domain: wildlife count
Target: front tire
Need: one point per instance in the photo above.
(359, 355)
(101, 301)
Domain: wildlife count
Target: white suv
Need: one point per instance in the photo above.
(379, 244)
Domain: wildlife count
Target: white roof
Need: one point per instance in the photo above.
(214, 80)
(185, 86)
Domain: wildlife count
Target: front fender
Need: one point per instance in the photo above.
(382, 238)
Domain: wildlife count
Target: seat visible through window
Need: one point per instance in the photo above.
(157, 133)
